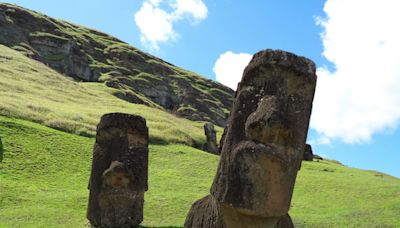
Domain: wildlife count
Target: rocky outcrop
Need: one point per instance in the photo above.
(119, 173)
(263, 144)
(308, 153)
(89, 55)
(211, 139)
(316, 156)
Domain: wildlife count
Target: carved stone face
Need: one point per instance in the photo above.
(262, 144)
(116, 176)
(258, 166)
(119, 171)
(266, 125)
(128, 150)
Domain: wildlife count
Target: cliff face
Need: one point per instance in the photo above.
(92, 56)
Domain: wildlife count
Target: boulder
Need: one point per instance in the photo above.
(119, 173)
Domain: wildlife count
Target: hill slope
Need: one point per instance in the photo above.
(30, 90)
(92, 56)
(44, 174)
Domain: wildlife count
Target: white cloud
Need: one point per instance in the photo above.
(361, 96)
(194, 9)
(321, 140)
(157, 25)
(229, 68)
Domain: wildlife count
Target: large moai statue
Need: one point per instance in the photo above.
(263, 145)
(119, 173)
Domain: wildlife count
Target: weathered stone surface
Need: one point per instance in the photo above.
(264, 141)
(208, 213)
(308, 153)
(260, 184)
(285, 222)
(205, 213)
(211, 138)
(233, 218)
(119, 173)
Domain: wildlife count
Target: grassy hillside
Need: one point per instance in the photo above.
(30, 90)
(44, 174)
(89, 55)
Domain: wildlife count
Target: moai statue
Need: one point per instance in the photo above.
(211, 139)
(119, 171)
(263, 145)
(308, 153)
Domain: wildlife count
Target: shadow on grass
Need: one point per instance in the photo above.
(160, 226)
(158, 141)
(1, 151)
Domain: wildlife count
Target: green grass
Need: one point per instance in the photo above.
(44, 175)
(328, 194)
(45, 35)
(44, 172)
(30, 90)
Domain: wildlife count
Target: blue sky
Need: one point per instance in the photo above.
(354, 43)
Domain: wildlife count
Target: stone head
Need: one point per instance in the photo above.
(264, 143)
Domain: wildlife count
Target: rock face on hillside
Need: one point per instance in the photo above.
(263, 145)
(89, 55)
(119, 171)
